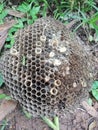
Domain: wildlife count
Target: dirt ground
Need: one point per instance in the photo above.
(77, 120)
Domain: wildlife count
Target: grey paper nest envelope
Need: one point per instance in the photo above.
(46, 70)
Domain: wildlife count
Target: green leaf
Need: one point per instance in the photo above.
(34, 11)
(1, 7)
(13, 29)
(43, 12)
(8, 46)
(95, 85)
(30, 21)
(94, 89)
(3, 15)
(19, 24)
(1, 80)
(11, 39)
(1, 21)
(4, 96)
(24, 7)
(94, 18)
(95, 93)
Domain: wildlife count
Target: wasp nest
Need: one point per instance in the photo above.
(46, 70)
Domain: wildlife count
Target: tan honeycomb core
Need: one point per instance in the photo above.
(46, 70)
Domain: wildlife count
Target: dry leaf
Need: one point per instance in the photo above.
(6, 107)
(16, 13)
(4, 31)
(7, 25)
(90, 109)
(92, 125)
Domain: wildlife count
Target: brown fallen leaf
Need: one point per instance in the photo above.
(92, 125)
(90, 110)
(4, 31)
(16, 13)
(6, 107)
(2, 39)
(7, 25)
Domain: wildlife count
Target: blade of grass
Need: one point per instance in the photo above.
(1, 80)
(49, 123)
(3, 125)
(56, 122)
(4, 96)
(27, 114)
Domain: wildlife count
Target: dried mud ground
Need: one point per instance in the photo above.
(80, 119)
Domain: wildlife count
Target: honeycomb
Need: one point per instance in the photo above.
(47, 71)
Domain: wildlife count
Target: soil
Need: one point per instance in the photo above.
(77, 120)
